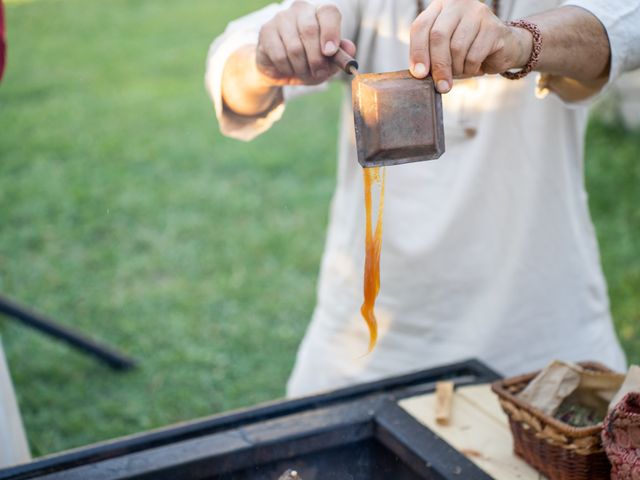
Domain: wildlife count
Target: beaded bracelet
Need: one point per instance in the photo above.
(535, 51)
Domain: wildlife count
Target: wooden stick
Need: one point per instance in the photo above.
(444, 399)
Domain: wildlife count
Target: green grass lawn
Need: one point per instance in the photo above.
(124, 213)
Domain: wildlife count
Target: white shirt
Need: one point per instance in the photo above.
(14, 448)
(487, 252)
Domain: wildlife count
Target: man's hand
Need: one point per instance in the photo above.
(295, 47)
(463, 38)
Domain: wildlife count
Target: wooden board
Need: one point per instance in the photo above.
(478, 428)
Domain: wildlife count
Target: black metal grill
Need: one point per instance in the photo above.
(357, 433)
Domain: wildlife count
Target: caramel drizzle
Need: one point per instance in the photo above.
(373, 247)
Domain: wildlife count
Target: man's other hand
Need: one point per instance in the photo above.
(464, 38)
(294, 48)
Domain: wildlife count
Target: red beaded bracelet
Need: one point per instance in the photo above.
(535, 50)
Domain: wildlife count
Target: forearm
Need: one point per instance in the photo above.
(244, 89)
(574, 44)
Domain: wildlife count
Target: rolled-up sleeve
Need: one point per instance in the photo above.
(621, 21)
(245, 31)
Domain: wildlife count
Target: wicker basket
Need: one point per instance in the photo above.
(554, 448)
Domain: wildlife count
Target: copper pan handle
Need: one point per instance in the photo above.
(345, 61)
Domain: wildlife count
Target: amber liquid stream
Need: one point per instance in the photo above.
(373, 246)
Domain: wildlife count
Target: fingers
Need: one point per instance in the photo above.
(330, 21)
(271, 55)
(457, 38)
(430, 45)
(296, 52)
(349, 47)
(296, 45)
(309, 33)
(419, 43)
(440, 49)
(482, 47)
(461, 42)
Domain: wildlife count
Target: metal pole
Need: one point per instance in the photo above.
(106, 354)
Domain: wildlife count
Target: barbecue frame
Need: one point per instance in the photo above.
(276, 431)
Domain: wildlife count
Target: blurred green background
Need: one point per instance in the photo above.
(124, 213)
